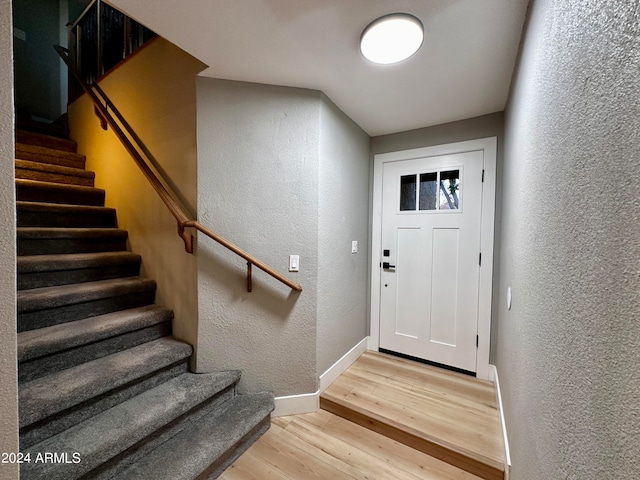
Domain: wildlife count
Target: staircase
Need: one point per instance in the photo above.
(104, 390)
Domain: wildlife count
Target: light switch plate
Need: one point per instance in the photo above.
(354, 246)
(294, 263)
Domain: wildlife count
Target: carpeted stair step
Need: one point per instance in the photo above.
(45, 172)
(52, 349)
(38, 191)
(121, 434)
(43, 307)
(52, 156)
(43, 241)
(41, 140)
(207, 447)
(37, 271)
(37, 214)
(52, 404)
(57, 128)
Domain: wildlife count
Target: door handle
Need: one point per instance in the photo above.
(387, 266)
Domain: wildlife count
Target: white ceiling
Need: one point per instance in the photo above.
(463, 69)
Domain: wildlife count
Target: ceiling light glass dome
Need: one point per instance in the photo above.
(392, 38)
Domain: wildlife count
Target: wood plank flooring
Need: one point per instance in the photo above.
(450, 416)
(385, 418)
(323, 446)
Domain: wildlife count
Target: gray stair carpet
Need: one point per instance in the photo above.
(112, 432)
(53, 173)
(46, 350)
(211, 443)
(36, 271)
(43, 307)
(51, 404)
(55, 393)
(47, 192)
(26, 137)
(42, 214)
(55, 240)
(102, 383)
(46, 341)
(51, 156)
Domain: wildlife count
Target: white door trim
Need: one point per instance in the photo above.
(489, 147)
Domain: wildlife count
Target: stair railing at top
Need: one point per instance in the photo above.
(103, 106)
(100, 38)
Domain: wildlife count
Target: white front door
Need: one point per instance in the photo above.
(430, 255)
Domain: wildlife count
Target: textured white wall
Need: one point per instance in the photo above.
(258, 153)
(343, 216)
(8, 370)
(568, 352)
(491, 125)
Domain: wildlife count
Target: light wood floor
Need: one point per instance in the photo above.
(324, 446)
(451, 416)
(401, 410)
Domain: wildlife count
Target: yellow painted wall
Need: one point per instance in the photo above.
(155, 91)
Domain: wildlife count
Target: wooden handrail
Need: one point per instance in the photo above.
(251, 260)
(167, 196)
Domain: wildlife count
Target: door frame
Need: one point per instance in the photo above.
(489, 148)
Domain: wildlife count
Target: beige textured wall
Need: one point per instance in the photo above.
(343, 216)
(568, 351)
(258, 154)
(155, 91)
(470, 129)
(280, 171)
(8, 370)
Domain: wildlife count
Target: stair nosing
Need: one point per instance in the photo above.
(45, 298)
(54, 169)
(41, 184)
(41, 342)
(476, 458)
(165, 351)
(69, 232)
(43, 137)
(63, 207)
(48, 152)
(32, 264)
(30, 190)
(181, 444)
(134, 428)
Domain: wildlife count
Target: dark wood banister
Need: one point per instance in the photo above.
(166, 195)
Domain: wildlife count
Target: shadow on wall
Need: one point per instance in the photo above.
(229, 277)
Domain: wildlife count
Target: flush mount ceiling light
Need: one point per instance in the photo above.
(392, 38)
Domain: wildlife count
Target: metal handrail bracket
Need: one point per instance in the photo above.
(103, 105)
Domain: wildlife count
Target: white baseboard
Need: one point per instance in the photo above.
(338, 368)
(296, 404)
(310, 402)
(493, 376)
